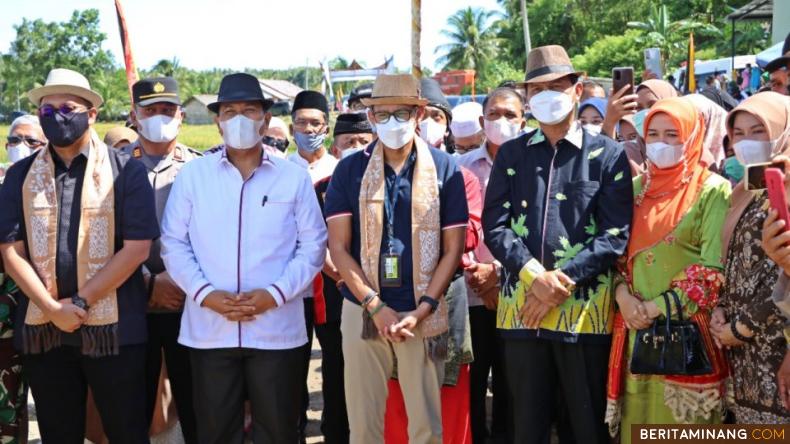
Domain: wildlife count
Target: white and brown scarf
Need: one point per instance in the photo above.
(95, 247)
(425, 240)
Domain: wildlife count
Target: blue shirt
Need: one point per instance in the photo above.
(342, 198)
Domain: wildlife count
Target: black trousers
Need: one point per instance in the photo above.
(540, 372)
(224, 378)
(334, 419)
(488, 352)
(163, 331)
(59, 380)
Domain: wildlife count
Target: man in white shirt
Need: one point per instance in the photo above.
(310, 117)
(322, 301)
(243, 236)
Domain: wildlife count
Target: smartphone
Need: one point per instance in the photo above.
(653, 62)
(775, 182)
(755, 174)
(621, 77)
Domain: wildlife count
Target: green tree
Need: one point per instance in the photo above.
(671, 36)
(610, 51)
(473, 40)
(41, 46)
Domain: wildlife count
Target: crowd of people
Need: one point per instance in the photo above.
(437, 254)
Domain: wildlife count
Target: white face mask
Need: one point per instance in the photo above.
(394, 134)
(18, 152)
(550, 107)
(349, 151)
(501, 130)
(159, 128)
(241, 132)
(432, 132)
(593, 129)
(750, 151)
(664, 155)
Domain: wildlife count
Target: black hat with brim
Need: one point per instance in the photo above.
(363, 91)
(240, 87)
(352, 123)
(433, 93)
(310, 100)
(784, 60)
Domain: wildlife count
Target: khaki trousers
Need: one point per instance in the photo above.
(369, 364)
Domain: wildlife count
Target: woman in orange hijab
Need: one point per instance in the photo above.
(675, 248)
(747, 321)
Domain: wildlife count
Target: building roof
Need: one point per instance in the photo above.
(278, 90)
(204, 99)
(754, 10)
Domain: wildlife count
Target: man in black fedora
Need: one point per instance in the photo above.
(557, 216)
(243, 236)
(779, 69)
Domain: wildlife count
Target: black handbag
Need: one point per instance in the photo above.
(670, 347)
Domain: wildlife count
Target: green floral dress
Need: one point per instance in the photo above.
(687, 260)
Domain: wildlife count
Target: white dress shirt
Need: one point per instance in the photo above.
(320, 169)
(221, 232)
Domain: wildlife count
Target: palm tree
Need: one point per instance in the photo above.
(473, 40)
(670, 36)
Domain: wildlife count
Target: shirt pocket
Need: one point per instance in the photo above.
(275, 220)
(579, 204)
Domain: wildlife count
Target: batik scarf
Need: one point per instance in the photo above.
(426, 236)
(95, 248)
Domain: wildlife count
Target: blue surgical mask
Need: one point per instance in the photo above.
(309, 142)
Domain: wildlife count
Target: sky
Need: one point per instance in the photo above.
(239, 34)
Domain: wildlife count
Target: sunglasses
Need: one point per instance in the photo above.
(281, 145)
(29, 141)
(63, 110)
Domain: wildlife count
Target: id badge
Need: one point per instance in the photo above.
(390, 270)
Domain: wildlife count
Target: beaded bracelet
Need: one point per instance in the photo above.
(736, 333)
(377, 308)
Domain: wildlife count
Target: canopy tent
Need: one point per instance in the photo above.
(769, 54)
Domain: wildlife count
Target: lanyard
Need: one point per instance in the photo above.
(391, 199)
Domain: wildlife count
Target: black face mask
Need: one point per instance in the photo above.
(63, 131)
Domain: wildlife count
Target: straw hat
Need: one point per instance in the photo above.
(547, 63)
(396, 89)
(65, 81)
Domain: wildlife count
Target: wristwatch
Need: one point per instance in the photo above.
(80, 302)
(430, 301)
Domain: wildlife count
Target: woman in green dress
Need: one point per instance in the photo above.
(675, 246)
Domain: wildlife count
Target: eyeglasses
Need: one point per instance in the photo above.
(401, 115)
(63, 110)
(304, 124)
(29, 141)
(280, 144)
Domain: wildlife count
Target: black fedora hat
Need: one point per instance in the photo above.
(783, 60)
(433, 92)
(240, 87)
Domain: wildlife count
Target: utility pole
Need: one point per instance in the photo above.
(416, 31)
(527, 41)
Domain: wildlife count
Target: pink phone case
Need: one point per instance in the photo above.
(775, 181)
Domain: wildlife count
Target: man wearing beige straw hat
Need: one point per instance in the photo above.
(557, 216)
(397, 217)
(77, 221)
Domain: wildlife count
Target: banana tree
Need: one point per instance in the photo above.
(671, 36)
